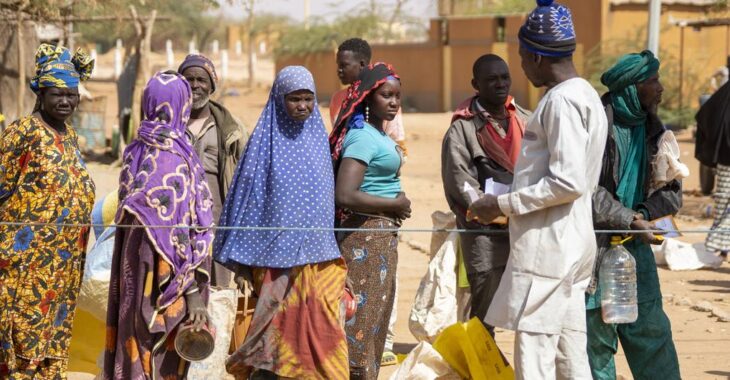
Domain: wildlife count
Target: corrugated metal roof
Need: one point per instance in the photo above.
(702, 3)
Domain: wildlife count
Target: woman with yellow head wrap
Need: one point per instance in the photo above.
(45, 187)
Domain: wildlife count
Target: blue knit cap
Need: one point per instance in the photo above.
(548, 30)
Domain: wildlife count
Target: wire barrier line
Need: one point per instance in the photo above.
(333, 229)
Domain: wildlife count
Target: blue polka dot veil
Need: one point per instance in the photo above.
(284, 179)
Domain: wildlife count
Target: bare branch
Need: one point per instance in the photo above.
(393, 17)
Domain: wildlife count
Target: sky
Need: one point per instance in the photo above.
(327, 9)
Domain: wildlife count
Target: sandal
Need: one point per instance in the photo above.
(389, 358)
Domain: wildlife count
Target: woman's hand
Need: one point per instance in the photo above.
(197, 312)
(403, 206)
(348, 195)
(349, 284)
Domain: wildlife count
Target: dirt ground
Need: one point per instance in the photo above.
(702, 341)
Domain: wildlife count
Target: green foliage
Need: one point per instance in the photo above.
(675, 110)
(37, 9)
(322, 36)
(187, 19)
(492, 7)
(269, 23)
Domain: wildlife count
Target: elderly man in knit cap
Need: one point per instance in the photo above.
(622, 202)
(218, 138)
(542, 292)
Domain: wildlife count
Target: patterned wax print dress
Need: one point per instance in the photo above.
(43, 179)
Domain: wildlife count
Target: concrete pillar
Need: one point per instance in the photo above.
(118, 59)
(170, 54)
(239, 48)
(94, 54)
(655, 14)
(224, 64)
(215, 47)
(191, 47)
(446, 78)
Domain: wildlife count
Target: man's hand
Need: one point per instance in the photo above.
(197, 312)
(486, 209)
(647, 237)
(244, 279)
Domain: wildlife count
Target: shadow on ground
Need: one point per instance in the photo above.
(719, 373)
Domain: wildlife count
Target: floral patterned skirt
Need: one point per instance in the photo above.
(40, 278)
(372, 258)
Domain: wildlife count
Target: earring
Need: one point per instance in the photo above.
(367, 113)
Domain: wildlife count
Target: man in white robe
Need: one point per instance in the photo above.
(553, 247)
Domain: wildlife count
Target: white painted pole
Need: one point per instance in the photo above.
(254, 61)
(170, 54)
(224, 64)
(93, 53)
(655, 13)
(191, 47)
(215, 47)
(118, 59)
(307, 12)
(239, 48)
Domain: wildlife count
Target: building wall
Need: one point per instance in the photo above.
(437, 74)
(419, 67)
(612, 30)
(588, 21)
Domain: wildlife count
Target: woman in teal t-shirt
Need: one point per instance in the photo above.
(368, 191)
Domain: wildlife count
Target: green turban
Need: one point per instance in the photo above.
(621, 80)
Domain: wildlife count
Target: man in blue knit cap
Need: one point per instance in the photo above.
(552, 242)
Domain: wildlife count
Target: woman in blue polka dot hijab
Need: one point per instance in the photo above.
(285, 180)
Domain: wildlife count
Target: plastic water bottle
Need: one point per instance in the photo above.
(617, 277)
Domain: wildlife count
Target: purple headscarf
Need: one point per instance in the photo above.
(162, 183)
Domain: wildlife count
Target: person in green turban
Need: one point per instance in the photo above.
(622, 202)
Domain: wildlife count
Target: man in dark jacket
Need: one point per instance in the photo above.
(622, 202)
(482, 144)
(218, 137)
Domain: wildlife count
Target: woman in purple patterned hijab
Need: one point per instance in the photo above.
(160, 274)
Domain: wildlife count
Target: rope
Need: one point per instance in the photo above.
(332, 229)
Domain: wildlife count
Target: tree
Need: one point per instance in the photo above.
(671, 112)
(37, 10)
(395, 15)
(248, 6)
(482, 7)
(184, 19)
(325, 36)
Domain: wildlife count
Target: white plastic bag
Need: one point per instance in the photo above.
(435, 306)
(424, 363)
(94, 294)
(666, 165)
(222, 309)
(440, 220)
(678, 255)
